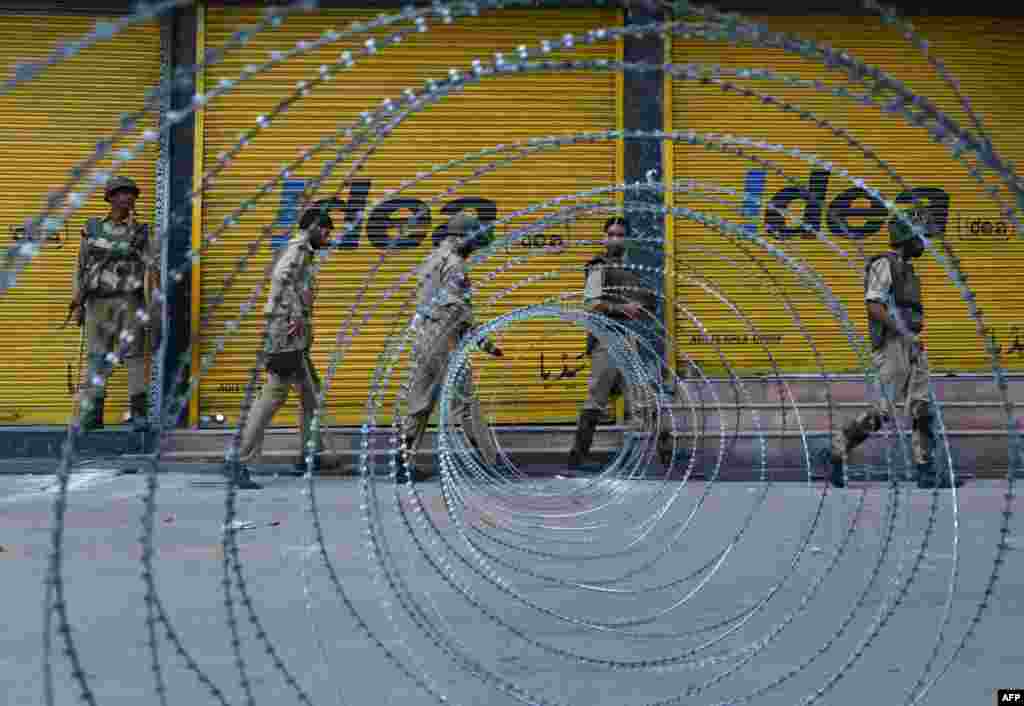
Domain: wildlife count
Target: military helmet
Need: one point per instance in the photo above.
(117, 183)
(900, 232)
(469, 231)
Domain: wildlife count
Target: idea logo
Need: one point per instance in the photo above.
(842, 215)
(384, 224)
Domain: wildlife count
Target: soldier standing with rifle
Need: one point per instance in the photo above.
(895, 321)
(115, 259)
(618, 293)
(444, 314)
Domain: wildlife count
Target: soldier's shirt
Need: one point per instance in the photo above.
(119, 276)
(445, 287)
(879, 287)
(293, 288)
(445, 297)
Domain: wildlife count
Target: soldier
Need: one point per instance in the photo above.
(895, 322)
(110, 291)
(444, 314)
(618, 293)
(289, 310)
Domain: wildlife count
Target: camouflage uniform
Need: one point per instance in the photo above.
(444, 315)
(293, 287)
(110, 281)
(609, 282)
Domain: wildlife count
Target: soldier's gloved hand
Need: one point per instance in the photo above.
(497, 352)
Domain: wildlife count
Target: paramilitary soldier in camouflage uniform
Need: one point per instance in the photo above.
(114, 258)
(895, 321)
(289, 310)
(618, 293)
(444, 314)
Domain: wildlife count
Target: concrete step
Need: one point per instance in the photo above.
(976, 449)
(970, 450)
(842, 389)
(815, 417)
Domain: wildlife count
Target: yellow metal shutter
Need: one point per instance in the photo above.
(47, 126)
(498, 111)
(984, 54)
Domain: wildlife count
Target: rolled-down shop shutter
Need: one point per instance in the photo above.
(47, 126)
(985, 56)
(498, 111)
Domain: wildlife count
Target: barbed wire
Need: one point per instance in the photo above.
(530, 528)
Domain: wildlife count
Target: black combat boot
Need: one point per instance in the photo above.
(320, 463)
(585, 429)
(140, 412)
(834, 466)
(837, 474)
(238, 473)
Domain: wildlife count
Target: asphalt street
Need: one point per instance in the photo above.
(737, 592)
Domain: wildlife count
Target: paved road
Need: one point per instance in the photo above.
(670, 589)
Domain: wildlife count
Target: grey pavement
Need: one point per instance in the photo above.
(532, 565)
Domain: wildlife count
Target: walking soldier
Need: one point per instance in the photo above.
(618, 293)
(289, 310)
(895, 321)
(444, 315)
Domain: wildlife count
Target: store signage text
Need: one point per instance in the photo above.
(384, 225)
(849, 205)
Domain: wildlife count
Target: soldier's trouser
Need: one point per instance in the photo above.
(605, 379)
(430, 366)
(272, 398)
(109, 322)
(903, 373)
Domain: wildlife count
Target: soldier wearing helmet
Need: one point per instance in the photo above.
(444, 314)
(115, 258)
(895, 321)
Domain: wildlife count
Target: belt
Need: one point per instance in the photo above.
(113, 295)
